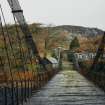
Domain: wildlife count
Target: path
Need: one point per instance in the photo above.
(68, 88)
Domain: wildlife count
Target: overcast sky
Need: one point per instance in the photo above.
(89, 13)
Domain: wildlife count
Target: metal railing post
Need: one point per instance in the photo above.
(5, 95)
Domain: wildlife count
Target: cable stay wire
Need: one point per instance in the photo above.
(9, 60)
(6, 49)
(18, 13)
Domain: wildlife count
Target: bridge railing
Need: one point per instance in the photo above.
(16, 92)
(91, 62)
(21, 71)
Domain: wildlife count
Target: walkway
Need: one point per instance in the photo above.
(68, 88)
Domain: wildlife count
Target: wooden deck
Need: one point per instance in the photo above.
(68, 87)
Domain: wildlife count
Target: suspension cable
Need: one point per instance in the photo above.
(8, 35)
(22, 55)
(6, 49)
(24, 27)
(24, 62)
(29, 52)
(4, 72)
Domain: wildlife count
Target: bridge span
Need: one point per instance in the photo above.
(68, 87)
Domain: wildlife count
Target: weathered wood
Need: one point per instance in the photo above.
(69, 88)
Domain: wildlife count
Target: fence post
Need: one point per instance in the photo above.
(5, 95)
(21, 92)
(25, 91)
(12, 92)
(17, 95)
(28, 88)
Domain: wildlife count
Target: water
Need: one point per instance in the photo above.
(68, 88)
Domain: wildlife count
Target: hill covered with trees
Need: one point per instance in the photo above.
(52, 37)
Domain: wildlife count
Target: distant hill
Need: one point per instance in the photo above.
(53, 37)
(89, 38)
(85, 31)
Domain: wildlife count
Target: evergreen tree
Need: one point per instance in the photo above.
(74, 44)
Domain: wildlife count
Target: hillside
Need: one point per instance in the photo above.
(89, 38)
(88, 44)
(52, 37)
(85, 31)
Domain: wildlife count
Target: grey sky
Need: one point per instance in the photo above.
(89, 13)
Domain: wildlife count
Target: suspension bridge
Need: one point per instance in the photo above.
(25, 78)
